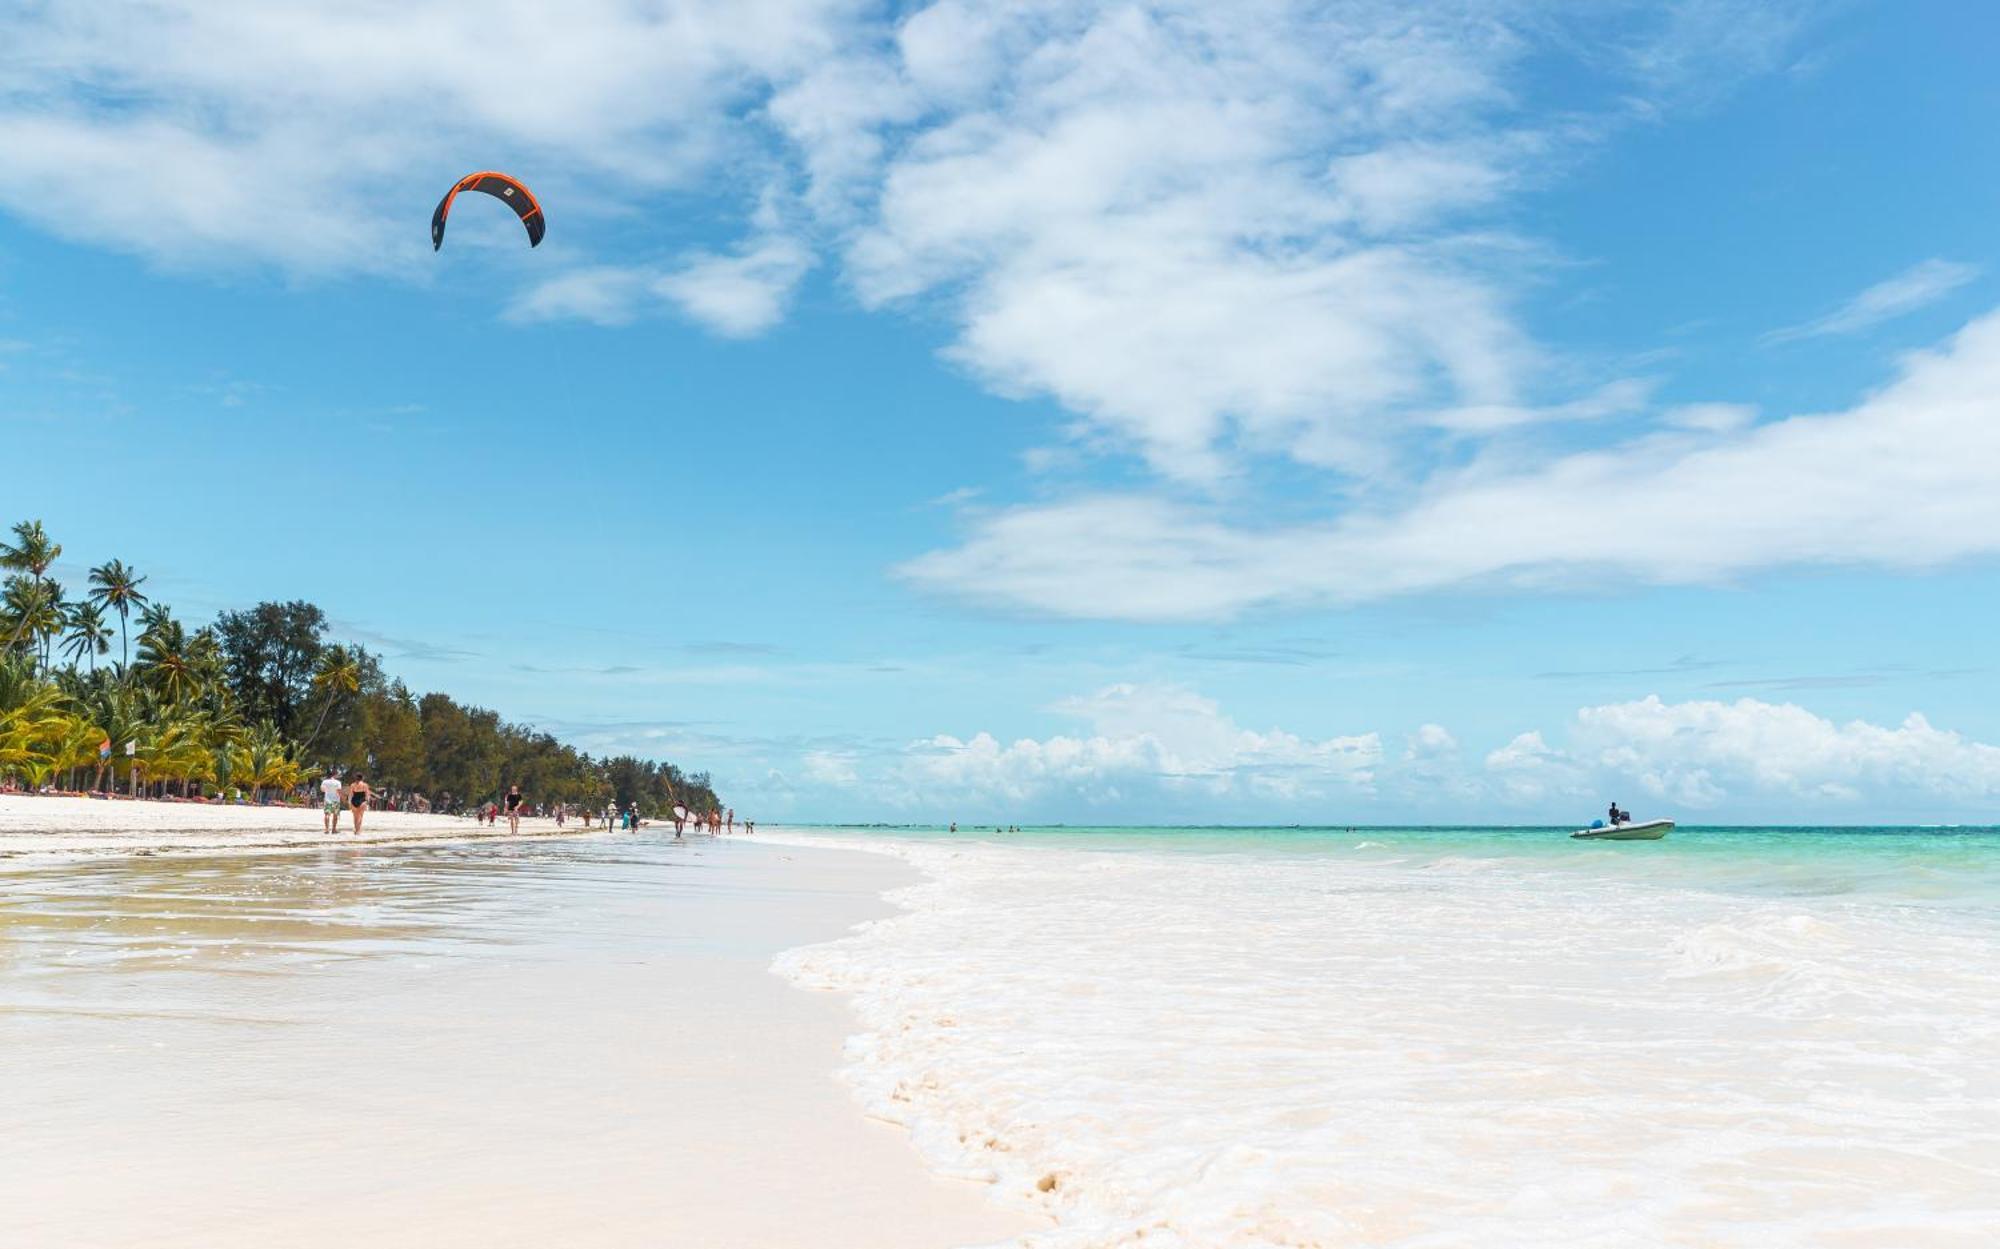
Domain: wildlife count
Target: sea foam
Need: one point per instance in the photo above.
(1164, 1049)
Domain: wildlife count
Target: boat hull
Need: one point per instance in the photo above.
(1649, 830)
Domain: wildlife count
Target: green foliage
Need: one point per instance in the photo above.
(255, 701)
(271, 655)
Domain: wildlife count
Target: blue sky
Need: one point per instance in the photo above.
(1031, 411)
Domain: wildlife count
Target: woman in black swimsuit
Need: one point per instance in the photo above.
(514, 809)
(358, 795)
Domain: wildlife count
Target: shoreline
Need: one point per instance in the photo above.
(58, 827)
(578, 1043)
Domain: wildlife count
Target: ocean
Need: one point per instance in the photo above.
(1443, 1036)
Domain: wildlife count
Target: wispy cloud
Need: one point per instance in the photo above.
(738, 294)
(1901, 480)
(1918, 286)
(1211, 231)
(400, 647)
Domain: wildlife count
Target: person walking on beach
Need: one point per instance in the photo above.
(358, 795)
(730, 819)
(514, 810)
(329, 800)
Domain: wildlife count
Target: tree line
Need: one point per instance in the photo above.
(257, 702)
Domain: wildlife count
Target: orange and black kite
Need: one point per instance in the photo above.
(507, 190)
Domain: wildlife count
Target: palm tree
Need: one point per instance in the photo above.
(153, 616)
(167, 659)
(339, 673)
(262, 759)
(125, 716)
(73, 747)
(33, 610)
(51, 621)
(30, 715)
(30, 552)
(178, 750)
(115, 586)
(17, 598)
(88, 634)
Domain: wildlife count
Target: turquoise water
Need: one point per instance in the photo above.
(1949, 865)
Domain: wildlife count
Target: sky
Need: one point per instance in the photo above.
(1018, 411)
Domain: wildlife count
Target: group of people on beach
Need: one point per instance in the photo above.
(353, 794)
(714, 822)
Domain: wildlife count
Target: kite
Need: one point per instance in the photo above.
(508, 191)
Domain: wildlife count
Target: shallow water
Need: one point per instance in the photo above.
(1445, 1037)
(571, 1042)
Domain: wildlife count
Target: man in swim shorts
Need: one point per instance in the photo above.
(329, 799)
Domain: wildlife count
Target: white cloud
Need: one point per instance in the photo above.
(1528, 770)
(1141, 740)
(316, 135)
(603, 294)
(1714, 418)
(1902, 480)
(1132, 208)
(1919, 286)
(1618, 398)
(741, 294)
(830, 767)
(737, 295)
(1168, 752)
(1212, 231)
(1702, 754)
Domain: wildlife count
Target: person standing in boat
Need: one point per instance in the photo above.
(1619, 817)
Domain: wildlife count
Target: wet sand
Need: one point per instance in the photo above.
(570, 1042)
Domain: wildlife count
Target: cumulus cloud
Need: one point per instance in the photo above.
(1528, 770)
(1901, 480)
(830, 767)
(1166, 751)
(1140, 740)
(1695, 748)
(1919, 286)
(1702, 754)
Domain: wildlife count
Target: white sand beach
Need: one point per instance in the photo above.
(39, 824)
(570, 1042)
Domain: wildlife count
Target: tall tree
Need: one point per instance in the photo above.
(30, 552)
(116, 586)
(169, 661)
(32, 609)
(336, 678)
(86, 633)
(271, 654)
